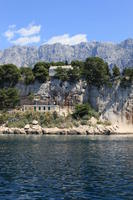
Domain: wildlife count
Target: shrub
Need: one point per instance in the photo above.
(9, 98)
(116, 71)
(84, 110)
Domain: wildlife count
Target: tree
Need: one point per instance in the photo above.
(61, 74)
(127, 77)
(96, 71)
(44, 64)
(116, 71)
(128, 72)
(41, 72)
(9, 75)
(73, 74)
(27, 74)
(78, 63)
(9, 98)
(57, 63)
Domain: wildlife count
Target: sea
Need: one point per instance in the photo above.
(66, 167)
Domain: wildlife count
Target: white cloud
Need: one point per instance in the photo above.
(30, 30)
(66, 39)
(23, 36)
(26, 40)
(9, 34)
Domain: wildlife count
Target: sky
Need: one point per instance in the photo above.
(37, 22)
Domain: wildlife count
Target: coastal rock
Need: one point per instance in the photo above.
(27, 126)
(93, 121)
(35, 122)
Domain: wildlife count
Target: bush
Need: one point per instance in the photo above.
(9, 98)
(127, 77)
(84, 110)
(116, 71)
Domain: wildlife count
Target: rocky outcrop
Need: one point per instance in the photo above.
(114, 103)
(56, 88)
(119, 54)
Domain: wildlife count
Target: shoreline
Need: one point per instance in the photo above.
(82, 130)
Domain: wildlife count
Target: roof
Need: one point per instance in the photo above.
(53, 68)
(64, 67)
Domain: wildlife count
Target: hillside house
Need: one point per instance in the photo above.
(52, 69)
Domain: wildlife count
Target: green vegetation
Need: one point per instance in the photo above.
(127, 77)
(41, 71)
(116, 71)
(84, 111)
(9, 98)
(96, 71)
(20, 119)
(70, 75)
(58, 63)
(62, 74)
(27, 75)
(9, 75)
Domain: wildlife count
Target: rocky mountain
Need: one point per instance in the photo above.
(120, 54)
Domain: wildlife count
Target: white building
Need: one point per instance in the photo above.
(41, 108)
(52, 69)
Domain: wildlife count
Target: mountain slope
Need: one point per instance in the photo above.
(120, 54)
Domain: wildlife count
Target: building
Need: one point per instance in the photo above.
(52, 69)
(38, 104)
(41, 108)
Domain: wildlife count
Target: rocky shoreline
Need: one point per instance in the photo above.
(35, 129)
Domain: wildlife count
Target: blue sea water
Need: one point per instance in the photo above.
(66, 167)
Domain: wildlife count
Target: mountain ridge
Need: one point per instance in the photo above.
(120, 54)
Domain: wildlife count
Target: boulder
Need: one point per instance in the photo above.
(93, 121)
(35, 122)
(27, 126)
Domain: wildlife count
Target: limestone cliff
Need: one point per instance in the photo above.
(114, 103)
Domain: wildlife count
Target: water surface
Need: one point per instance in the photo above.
(66, 167)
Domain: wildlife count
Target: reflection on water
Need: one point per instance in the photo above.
(66, 167)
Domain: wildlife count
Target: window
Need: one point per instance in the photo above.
(34, 108)
(48, 108)
(39, 108)
(44, 108)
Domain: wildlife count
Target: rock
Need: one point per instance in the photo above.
(119, 54)
(93, 121)
(27, 126)
(35, 122)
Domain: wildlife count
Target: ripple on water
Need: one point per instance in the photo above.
(66, 167)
